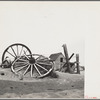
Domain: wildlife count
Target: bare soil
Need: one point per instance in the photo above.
(65, 86)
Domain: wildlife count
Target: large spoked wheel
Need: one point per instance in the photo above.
(15, 51)
(33, 66)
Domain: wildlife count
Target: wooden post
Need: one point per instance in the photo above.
(77, 63)
(67, 57)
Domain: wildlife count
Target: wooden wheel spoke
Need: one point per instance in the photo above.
(26, 70)
(44, 63)
(21, 51)
(22, 67)
(42, 67)
(31, 70)
(17, 51)
(26, 55)
(10, 54)
(13, 51)
(25, 51)
(37, 70)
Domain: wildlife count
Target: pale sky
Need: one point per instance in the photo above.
(44, 27)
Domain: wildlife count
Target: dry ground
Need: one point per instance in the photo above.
(66, 86)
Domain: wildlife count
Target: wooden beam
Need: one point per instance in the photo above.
(77, 63)
(66, 57)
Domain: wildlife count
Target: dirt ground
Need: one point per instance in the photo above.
(65, 86)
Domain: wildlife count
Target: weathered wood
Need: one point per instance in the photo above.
(77, 63)
(65, 51)
(66, 57)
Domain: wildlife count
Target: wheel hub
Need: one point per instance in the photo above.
(31, 60)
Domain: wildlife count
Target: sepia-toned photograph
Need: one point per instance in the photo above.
(42, 49)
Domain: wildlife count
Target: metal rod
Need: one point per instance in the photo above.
(71, 56)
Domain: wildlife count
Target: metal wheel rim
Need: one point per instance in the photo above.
(11, 47)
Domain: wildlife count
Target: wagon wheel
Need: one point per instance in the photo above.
(33, 66)
(14, 51)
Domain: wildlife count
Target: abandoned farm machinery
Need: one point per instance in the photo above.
(20, 59)
(71, 67)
